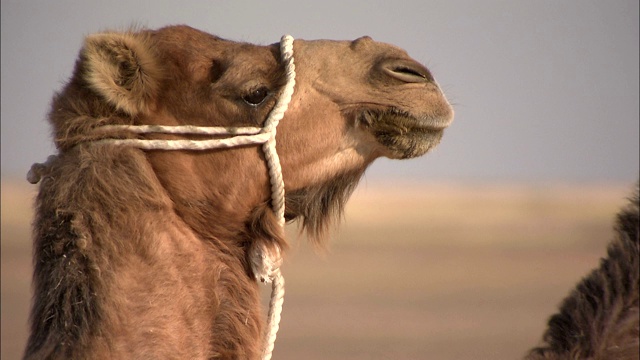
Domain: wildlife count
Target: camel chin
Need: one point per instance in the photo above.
(402, 135)
(416, 142)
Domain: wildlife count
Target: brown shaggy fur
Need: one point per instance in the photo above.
(600, 318)
(143, 254)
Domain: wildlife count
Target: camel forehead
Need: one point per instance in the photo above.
(202, 43)
(184, 38)
(184, 34)
(194, 51)
(364, 47)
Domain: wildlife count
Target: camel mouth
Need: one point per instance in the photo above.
(402, 134)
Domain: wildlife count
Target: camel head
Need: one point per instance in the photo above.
(390, 103)
(354, 101)
(141, 252)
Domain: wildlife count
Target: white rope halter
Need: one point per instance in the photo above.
(265, 262)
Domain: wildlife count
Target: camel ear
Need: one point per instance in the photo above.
(123, 69)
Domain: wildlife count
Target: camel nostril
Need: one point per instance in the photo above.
(407, 71)
(404, 71)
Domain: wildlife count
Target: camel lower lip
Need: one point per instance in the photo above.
(406, 124)
(404, 120)
(429, 128)
(430, 123)
(402, 134)
(413, 143)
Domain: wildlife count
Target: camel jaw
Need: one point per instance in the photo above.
(403, 135)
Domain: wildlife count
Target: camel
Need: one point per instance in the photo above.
(146, 254)
(600, 317)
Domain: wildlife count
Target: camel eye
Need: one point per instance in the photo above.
(257, 96)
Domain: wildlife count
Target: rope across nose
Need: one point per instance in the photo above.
(265, 262)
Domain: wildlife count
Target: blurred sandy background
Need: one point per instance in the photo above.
(428, 271)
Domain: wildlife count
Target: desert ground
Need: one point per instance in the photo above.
(415, 271)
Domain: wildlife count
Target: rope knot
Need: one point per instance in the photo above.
(40, 170)
(265, 262)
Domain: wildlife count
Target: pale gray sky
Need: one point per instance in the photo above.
(544, 90)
